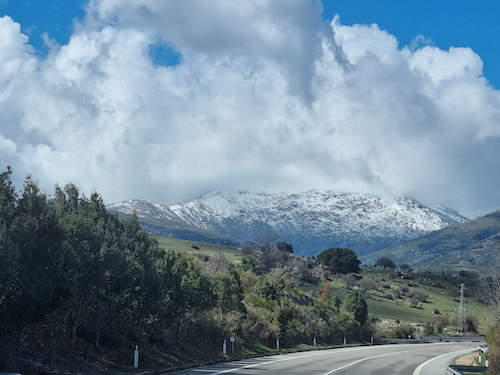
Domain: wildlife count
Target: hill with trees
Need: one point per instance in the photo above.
(472, 245)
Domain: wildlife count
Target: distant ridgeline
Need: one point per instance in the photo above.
(311, 221)
(472, 245)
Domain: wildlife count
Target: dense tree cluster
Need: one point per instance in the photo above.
(71, 267)
(339, 260)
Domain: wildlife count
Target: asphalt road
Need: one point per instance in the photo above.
(402, 359)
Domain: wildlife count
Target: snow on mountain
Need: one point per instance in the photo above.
(311, 221)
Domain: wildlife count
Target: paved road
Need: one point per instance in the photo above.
(408, 359)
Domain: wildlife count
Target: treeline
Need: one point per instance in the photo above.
(76, 279)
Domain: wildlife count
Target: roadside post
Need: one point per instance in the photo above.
(314, 341)
(345, 341)
(224, 347)
(136, 357)
(232, 339)
(371, 340)
(277, 343)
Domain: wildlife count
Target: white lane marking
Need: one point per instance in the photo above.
(360, 360)
(323, 352)
(418, 370)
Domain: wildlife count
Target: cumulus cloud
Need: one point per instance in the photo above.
(267, 96)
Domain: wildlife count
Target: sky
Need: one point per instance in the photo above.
(168, 100)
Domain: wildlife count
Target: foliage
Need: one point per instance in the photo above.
(428, 329)
(356, 304)
(441, 323)
(339, 260)
(386, 263)
(69, 266)
(403, 332)
(494, 350)
(284, 247)
(471, 324)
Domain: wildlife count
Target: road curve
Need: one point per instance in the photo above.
(402, 359)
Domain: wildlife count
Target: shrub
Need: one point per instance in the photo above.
(402, 332)
(441, 323)
(428, 329)
(470, 324)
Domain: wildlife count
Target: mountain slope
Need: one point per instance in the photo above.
(311, 220)
(474, 244)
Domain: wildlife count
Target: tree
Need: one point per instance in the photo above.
(405, 268)
(271, 287)
(356, 304)
(386, 263)
(229, 292)
(339, 260)
(284, 247)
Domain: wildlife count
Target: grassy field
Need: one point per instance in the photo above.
(232, 254)
(438, 298)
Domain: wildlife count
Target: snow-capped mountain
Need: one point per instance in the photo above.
(311, 221)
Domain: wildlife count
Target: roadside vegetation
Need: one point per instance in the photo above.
(79, 289)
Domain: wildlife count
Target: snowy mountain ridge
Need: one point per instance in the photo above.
(311, 220)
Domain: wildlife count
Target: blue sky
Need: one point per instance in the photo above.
(460, 23)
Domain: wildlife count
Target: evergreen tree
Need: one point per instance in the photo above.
(356, 304)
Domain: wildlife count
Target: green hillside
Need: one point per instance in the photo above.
(379, 294)
(472, 245)
(232, 254)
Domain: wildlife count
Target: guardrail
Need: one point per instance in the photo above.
(459, 370)
(435, 338)
(400, 341)
(423, 339)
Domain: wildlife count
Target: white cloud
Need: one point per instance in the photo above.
(267, 96)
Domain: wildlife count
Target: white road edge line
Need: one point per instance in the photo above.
(418, 370)
(283, 360)
(361, 360)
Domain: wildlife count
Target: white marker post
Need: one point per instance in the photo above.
(224, 347)
(314, 341)
(345, 340)
(277, 343)
(136, 357)
(372, 340)
(232, 339)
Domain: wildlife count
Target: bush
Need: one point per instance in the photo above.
(428, 329)
(471, 324)
(441, 323)
(414, 303)
(402, 332)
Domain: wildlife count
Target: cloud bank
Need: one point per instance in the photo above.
(267, 96)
